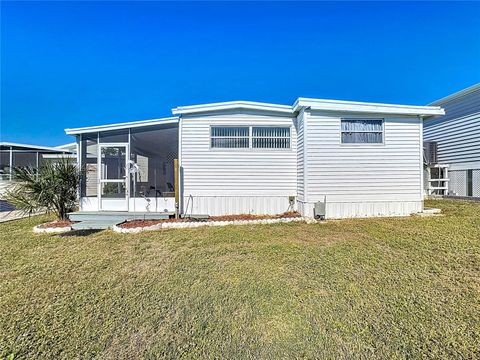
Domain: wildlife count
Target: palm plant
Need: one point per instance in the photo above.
(53, 188)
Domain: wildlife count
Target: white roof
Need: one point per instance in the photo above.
(58, 156)
(456, 95)
(69, 146)
(315, 104)
(34, 147)
(230, 105)
(118, 126)
(366, 107)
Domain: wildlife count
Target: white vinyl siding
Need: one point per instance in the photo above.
(458, 106)
(457, 132)
(354, 179)
(362, 131)
(217, 180)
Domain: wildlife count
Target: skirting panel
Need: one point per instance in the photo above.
(303, 208)
(364, 209)
(457, 185)
(234, 205)
(476, 182)
(159, 204)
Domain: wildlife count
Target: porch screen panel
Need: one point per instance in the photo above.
(229, 137)
(116, 136)
(271, 137)
(49, 158)
(362, 131)
(113, 162)
(89, 152)
(24, 159)
(4, 164)
(153, 150)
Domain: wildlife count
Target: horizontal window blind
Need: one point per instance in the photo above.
(230, 137)
(362, 131)
(271, 137)
(244, 137)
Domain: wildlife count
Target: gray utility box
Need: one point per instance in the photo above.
(319, 210)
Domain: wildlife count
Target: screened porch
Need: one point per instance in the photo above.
(13, 155)
(129, 169)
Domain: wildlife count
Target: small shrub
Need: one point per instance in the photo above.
(54, 188)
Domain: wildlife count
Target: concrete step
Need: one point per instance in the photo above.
(96, 217)
(89, 220)
(431, 211)
(93, 225)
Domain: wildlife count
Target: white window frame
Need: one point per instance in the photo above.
(250, 138)
(360, 119)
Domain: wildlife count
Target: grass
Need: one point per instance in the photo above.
(376, 288)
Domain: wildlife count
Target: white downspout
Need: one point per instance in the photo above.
(11, 162)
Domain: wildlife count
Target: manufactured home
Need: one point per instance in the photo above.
(334, 159)
(456, 142)
(14, 155)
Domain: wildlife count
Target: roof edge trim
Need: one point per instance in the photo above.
(250, 105)
(119, 126)
(367, 107)
(36, 147)
(466, 91)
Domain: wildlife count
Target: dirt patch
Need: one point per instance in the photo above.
(56, 224)
(242, 217)
(145, 223)
(287, 215)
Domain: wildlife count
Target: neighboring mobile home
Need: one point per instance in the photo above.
(356, 159)
(14, 155)
(457, 136)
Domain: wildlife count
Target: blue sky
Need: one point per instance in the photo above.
(66, 64)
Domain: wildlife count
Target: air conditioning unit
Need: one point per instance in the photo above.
(430, 156)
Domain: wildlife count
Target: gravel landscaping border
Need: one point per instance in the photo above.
(193, 224)
(53, 227)
(50, 230)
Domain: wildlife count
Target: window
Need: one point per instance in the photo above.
(271, 137)
(116, 136)
(231, 137)
(245, 137)
(153, 149)
(89, 152)
(362, 131)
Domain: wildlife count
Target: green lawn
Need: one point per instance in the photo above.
(376, 288)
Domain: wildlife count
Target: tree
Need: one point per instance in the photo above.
(53, 188)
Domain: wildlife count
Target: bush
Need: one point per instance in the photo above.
(53, 188)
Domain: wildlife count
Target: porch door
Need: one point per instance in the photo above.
(113, 177)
